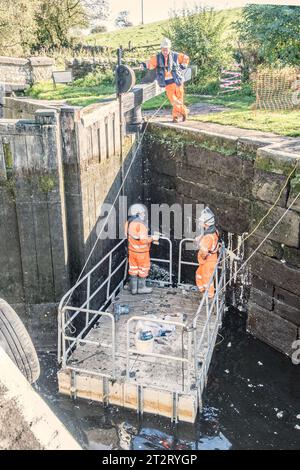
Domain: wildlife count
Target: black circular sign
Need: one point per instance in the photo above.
(125, 78)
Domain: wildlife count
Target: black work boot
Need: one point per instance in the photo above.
(134, 285)
(142, 288)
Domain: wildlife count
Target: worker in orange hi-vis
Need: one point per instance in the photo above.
(208, 243)
(139, 243)
(169, 67)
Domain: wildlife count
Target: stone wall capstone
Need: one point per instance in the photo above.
(24, 72)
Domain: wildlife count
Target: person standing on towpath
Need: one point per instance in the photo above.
(170, 66)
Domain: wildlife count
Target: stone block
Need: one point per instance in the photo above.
(288, 312)
(294, 191)
(163, 165)
(160, 180)
(268, 248)
(286, 232)
(261, 298)
(263, 285)
(271, 328)
(267, 186)
(228, 184)
(228, 165)
(247, 148)
(292, 256)
(198, 157)
(276, 272)
(194, 174)
(248, 169)
(286, 297)
(276, 159)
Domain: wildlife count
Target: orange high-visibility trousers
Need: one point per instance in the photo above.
(175, 95)
(203, 275)
(139, 263)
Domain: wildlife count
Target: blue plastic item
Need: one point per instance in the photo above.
(145, 335)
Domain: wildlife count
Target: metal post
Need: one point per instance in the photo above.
(109, 276)
(64, 359)
(142, 6)
(207, 317)
(179, 263)
(120, 98)
(127, 351)
(113, 331)
(217, 294)
(88, 294)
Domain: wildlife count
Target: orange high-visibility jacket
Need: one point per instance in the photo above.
(208, 248)
(182, 59)
(137, 236)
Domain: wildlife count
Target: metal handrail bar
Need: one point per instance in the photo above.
(89, 297)
(130, 350)
(70, 291)
(93, 312)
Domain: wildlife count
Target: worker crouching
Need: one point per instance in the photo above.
(139, 243)
(208, 243)
(169, 66)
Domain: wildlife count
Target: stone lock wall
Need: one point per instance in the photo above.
(239, 174)
(82, 67)
(33, 250)
(57, 169)
(24, 72)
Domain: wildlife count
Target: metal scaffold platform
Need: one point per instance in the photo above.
(102, 360)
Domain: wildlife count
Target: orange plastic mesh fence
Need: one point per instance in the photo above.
(276, 89)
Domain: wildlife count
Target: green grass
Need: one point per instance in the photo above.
(242, 100)
(281, 122)
(151, 33)
(238, 101)
(75, 95)
(138, 35)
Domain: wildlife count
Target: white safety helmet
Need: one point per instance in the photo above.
(137, 209)
(166, 43)
(206, 218)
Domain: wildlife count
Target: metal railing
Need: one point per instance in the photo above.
(167, 357)
(84, 308)
(186, 263)
(214, 309)
(168, 260)
(196, 344)
(197, 369)
(68, 313)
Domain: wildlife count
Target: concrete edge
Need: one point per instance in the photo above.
(42, 422)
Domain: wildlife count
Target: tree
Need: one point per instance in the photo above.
(17, 26)
(122, 20)
(54, 21)
(100, 28)
(273, 32)
(96, 10)
(198, 33)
